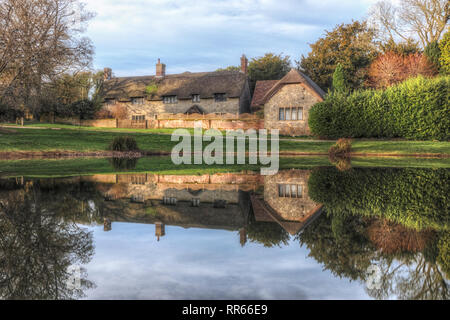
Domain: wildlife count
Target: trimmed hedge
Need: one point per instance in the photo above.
(415, 198)
(417, 108)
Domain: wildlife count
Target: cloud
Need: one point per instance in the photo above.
(205, 264)
(203, 35)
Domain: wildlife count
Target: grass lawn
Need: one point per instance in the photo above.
(163, 165)
(97, 139)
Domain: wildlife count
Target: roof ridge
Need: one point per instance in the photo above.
(187, 74)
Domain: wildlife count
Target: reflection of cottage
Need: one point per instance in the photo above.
(187, 201)
(160, 230)
(205, 92)
(286, 201)
(286, 102)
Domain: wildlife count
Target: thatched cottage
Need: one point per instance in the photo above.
(286, 102)
(205, 92)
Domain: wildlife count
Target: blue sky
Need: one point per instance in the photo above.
(203, 35)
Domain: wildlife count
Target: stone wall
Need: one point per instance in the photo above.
(152, 108)
(101, 123)
(291, 95)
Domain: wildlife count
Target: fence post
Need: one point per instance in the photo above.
(117, 123)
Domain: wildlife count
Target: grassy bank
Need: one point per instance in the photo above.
(163, 165)
(94, 139)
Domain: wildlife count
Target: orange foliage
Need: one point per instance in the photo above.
(395, 238)
(391, 68)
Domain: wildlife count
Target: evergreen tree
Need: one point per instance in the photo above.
(433, 53)
(444, 60)
(339, 79)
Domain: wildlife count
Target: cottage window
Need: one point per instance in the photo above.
(281, 114)
(290, 191)
(139, 100)
(138, 118)
(220, 97)
(288, 114)
(294, 114)
(195, 98)
(170, 99)
(300, 114)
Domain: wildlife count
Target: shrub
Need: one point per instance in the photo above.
(391, 68)
(123, 143)
(83, 109)
(339, 154)
(123, 164)
(415, 109)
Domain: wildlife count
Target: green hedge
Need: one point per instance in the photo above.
(415, 198)
(417, 108)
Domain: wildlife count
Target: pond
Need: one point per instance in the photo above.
(311, 233)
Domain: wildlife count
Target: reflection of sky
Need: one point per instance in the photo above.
(129, 263)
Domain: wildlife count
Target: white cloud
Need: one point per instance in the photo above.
(205, 264)
(201, 35)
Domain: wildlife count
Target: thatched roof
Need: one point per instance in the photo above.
(264, 90)
(183, 85)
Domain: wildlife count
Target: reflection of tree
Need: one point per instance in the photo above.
(339, 243)
(414, 278)
(123, 164)
(409, 270)
(37, 247)
(270, 234)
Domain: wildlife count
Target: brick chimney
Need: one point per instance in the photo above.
(160, 69)
(244, 64)
(107, 74)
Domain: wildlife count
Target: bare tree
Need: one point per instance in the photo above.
(39, 40)
(423, 19)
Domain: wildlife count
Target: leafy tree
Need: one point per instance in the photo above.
(339, 79)
(268, 67)
(433, 53)
(83, 109)
(391, 68)
(352, 45)
(40, 40)
(444, 46)
(402, 48)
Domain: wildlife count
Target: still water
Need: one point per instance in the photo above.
(301, 234)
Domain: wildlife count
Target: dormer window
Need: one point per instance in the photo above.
(220, 97)
(170, 99)
(195, 98)
(138, 100)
